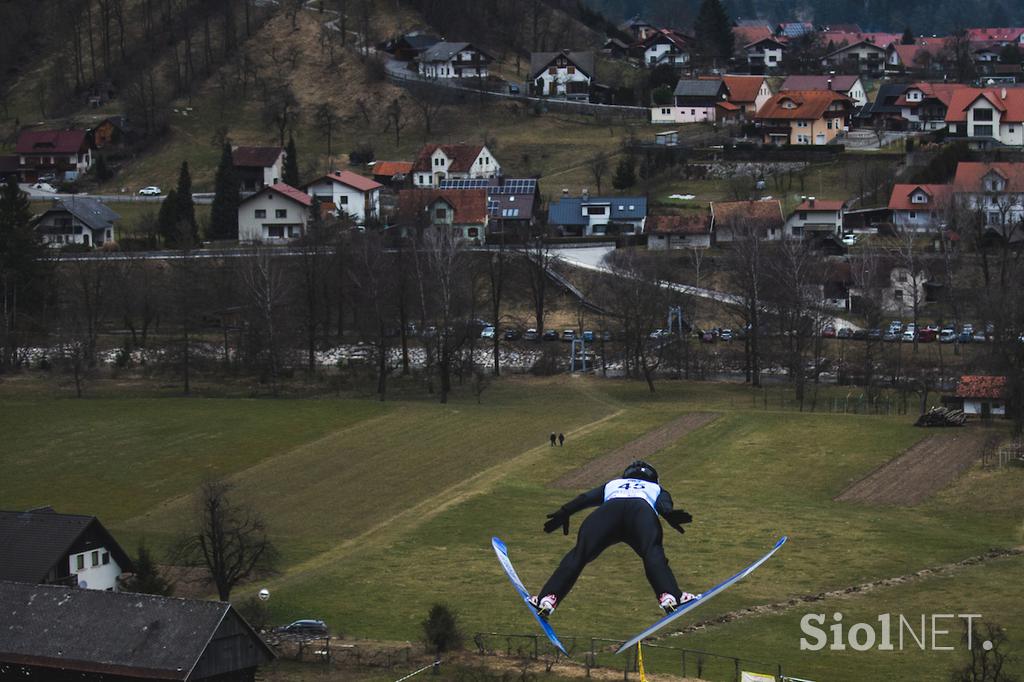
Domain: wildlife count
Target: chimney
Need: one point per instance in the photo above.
(1002, 94)
(830, 84)
(586, 193)
(565, 191)
(810, 202)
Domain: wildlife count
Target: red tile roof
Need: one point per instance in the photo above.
(810, 104)
(969, 175)
(1008, 101)
(470, 205)
(851, 38)
(767, 213)
(462, 156)
(391, 168)
(743, 89)
(691, 222)
(286, 191)
(899, 199)
(255, 157)
(822, 205)
(353, 180)
(941, 91)
(981, 386)
(50, 142)
(1011, 34)
(746, 35)
(934, 47)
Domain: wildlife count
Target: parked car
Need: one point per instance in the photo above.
(151, 191)
(849, 240)
(844, 333)
(967, 328)
(926, 335)
(874, 334)
(47, 177)
(657, 333)
(979, 337)
(828, 332)
(513, 89)
(726, 335)
(966, 336)
(568, 334)
(551, 335)
(588, 335)
(896, 327)
(304, 628)
(44, 187)
(859, 335)
(487, 333)
(530, 335)
(708, 337)
(890, 336)
(909, 335)
(947, 335)
(513, 334)
(606, 335)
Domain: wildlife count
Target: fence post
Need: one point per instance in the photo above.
(736, 667)
(684, 662)
(536, 647)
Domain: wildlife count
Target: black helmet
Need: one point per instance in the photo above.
(642, 470)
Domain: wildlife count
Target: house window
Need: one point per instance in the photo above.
(95, 558)
(993, 218)
(571, 69)
(80, 562)
(829, 124)
(982, 114)
(343, 200)
(901, 277)
(983, 131)
(275, 231)
(552, 70)
(261, 213)
(595, 210)
(898, 294)
(105, 559)
(665, 111)
(441, 213)
(803, 215)
(472, 232)
(280, 212)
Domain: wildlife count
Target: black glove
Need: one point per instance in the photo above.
(556, 519)
(677, 517)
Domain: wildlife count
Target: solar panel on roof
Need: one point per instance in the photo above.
(464, 183)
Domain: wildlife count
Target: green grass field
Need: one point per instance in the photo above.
(384, 509)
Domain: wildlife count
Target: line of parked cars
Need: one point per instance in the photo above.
(909, 333)
(531, 334)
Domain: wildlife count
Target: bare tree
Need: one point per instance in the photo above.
(747, 272)
(430, 102)
(598, 167)
(266, 288)
(539, 261)
(396, 118)
(326, 119)
(229, 539)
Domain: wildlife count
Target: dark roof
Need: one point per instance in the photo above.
(419, 41)
(91, 212)
(120, 122)
(115, 633)
(444, 51)
(584, 61)
(837, 83)
(462, 156)
(258, 157)
(32, 542)
(698, 88)
(885, 99)
(50, 141)
(569, 210)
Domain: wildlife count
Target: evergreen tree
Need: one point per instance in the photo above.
(167, 220)
(102, 169)
(224, 211)
(185, 211)
(625, 173)
(713, 31)
(20, 246)
(291, 164)
(147, 578)
(908, 37)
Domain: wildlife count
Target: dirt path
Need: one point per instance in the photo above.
(610, 465)
(919, 472)
(847, 592)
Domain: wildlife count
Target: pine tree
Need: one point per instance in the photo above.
(167, 220)
(713, 30)
(291, 164)
(224, 211)
(625, 173)
(20, 247)
(102, 169)
(185, 211)
(908, 37)
(147, 578)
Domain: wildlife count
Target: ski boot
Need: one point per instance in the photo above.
(669, 603)
(545, 605)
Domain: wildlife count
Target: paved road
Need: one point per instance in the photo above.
(39, 195)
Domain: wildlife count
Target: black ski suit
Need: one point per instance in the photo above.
(632, 520)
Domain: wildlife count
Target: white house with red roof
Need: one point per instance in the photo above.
(351, 194)
(764, 54)
(923, 55)
(65, 153)
(277, 213)
(437, 162)
(919, 208)
(925, 105)
(815, 217)
(987, 116)
(983, 395)
(995, 189)
(666, 46)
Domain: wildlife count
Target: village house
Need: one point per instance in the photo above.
(64, 153)
(1000, 36)
(924, 56)
(392, 173)
(747, 93)
(764, 55)
(803, 117)
(586, 215)
(667, 46)
(863, 57)
(732, 220)
(689, 230)
(748, 31)
(814, 218)
(638, 27)
(43, 547)
(110, 131)
(437, 162)
(453, 60)
(351, 194)
(849, 85)
(409, 46)
(693, 101)
(987, 117)
(59, 634)
(277, 213)
(77, 220)
(258, 167)
(562, 74)
(513, 205)
(883, 112)
(983, 396)
(460, 211)
(924, 106)
(919, 208)
(996, 190)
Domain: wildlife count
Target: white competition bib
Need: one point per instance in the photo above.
(632, 487)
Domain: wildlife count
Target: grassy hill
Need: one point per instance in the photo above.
(383, 510)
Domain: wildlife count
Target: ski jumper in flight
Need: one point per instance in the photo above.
(627, 511)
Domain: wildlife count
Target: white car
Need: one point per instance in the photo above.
(849, 240)
(151, 191)
(487, 333)
(44, 187)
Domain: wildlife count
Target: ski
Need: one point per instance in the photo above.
(686, 607)
(502, 551)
